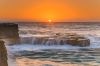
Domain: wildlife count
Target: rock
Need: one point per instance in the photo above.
(78, 41)
(57, 39)
(3, 54)
(83, 42)
(9, 33)
(71, 41)
(61, 42)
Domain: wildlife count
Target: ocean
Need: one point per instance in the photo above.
(33, 52)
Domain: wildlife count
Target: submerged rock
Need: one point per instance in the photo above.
(9, 33)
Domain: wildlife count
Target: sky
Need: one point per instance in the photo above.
(46, 10)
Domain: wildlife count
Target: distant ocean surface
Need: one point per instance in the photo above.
(30, 54)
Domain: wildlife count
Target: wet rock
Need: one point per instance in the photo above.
(62, 42)
(83, 42)
(9, 33)
(58, 39)
(78, 41)
(3, 54)
(72, 41)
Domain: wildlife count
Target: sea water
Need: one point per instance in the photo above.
(29, 53)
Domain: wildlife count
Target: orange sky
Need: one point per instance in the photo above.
(55, 10)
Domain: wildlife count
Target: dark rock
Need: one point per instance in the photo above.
(62, 42)
(83, 42)
(78, 41)
(9, 33)
(72, 41)
(3, 54)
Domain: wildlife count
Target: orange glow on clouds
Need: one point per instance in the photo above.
(56, 10)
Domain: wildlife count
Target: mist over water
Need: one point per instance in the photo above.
(32, 51)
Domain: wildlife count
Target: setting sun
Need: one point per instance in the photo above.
(49, 21)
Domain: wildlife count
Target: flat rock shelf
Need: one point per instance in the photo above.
(56, 39)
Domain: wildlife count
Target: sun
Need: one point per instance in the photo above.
(49, 20)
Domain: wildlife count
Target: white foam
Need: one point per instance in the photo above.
(27, 47)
